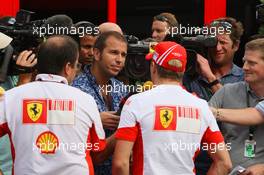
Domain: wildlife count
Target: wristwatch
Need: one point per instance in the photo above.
(215, 82)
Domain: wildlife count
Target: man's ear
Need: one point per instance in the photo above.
(153, 67)
(236, 45)
(67, 69)
(97, 54)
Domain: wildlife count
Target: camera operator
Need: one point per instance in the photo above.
(162, 24)
(217, 70)
(24, 59)
(98, 80)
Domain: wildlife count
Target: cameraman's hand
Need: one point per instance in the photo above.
(204, 68)
(110, 120)
(26, 59)
(206, 72)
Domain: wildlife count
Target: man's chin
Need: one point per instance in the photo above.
(86, 61)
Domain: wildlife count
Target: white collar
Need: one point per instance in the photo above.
(51, 78)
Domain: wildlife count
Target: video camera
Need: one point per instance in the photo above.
(21, 29)
(137, 67)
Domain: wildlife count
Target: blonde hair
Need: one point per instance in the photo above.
(256, 45)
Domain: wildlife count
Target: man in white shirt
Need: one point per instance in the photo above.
(166, 126)
(52, 126)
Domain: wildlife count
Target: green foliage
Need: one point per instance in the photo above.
(261, 30)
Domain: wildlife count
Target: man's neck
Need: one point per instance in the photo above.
(100, 78)
(166, 81)
(257, 88)
(221, 70)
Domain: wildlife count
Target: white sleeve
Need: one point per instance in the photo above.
(3, 120)
(212, 133)
(128, 115)
(95, 116)
(128, 128)
(260, 107)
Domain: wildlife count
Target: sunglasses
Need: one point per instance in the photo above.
(224, 24)
(161, 18)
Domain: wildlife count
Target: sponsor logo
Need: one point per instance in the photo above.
(165, 118)
(47, 142)
(34, 111)
(49, 111)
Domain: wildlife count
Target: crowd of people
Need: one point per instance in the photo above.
(62, 119)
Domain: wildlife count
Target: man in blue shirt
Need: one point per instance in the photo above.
(217, 70)
(98, 80)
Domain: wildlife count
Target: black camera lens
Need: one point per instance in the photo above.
(137, 67)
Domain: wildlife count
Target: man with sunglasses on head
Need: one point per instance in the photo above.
(217, 70)
(162, 24)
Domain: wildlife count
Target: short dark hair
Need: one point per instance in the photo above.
(87, 24)
(55, 53)
(59, 20)
(100, 41)
(165, 73)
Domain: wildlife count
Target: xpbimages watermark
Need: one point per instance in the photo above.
(182, 146)
(192, 30)
(108, 89)
(63, 30)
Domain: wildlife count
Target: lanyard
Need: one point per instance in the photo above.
(252, 129)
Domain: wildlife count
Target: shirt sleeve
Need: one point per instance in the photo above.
(217, 99)
(260, 107)
(212, 134)
(97, 134)
(128, 129)
(3, 122)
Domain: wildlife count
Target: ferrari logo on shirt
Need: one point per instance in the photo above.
(165, 118)
(34, 111)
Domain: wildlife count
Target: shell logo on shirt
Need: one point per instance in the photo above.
(35, 111)
(47, 142)
(165, 118)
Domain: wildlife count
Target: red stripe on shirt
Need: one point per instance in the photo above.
(127, 133)
(210, 136)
